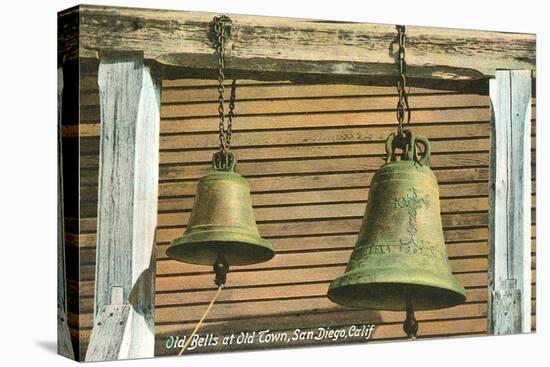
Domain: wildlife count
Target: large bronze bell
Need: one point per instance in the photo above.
(400, 261)
(222, 229)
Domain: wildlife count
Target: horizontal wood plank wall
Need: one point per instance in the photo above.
(309, 152)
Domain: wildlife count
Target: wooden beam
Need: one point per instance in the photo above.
(127, 208)
(109, 328)
(68, 35)
(510, 204)
(287, 48)
(64, 346)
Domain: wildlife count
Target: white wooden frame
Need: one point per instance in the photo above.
(124, 325)
(509, 309)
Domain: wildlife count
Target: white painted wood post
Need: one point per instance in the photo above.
(64, 345)
(124, 325)
(509, 308)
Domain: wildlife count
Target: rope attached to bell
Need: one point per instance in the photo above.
(199, 324)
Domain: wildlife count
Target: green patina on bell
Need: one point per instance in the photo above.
(400, 260)
(222, 223)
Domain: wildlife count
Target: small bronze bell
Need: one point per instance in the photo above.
(400, 261)
(222, 229)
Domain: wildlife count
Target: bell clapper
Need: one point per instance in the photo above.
(221, 268)
(410, 325)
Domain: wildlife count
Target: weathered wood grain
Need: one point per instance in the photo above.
(296, 229)
(506, 309)
(241, 310)
(289, 196)
(164, 286)
(295, 291)
(68, 22)
(255, 90)
(181, 155)
(314, 246)
(328, 258)
(261, 292)
(273, 154)
(109, 328)
(296, 198)
(465, 257)
(309, 182)
(475, 283)
(314, 136)
(282, 48)
(311, 105)
(300, 258)
(306, 105)
(189, 314)
(127, 204)
(510, 203)
(186, 316)
(258, 97)
(464, 206)
(320, 181)
(308, 166)
(309, 228)
(459, 212)
(295, 120)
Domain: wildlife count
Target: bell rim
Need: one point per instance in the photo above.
(263, 249)
(449, 285)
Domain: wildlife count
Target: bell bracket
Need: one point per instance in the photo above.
(224, 160)
(408, 142)
(220, 26)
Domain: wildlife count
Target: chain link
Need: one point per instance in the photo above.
(219, 44)
(231, 113)
(403, 110)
